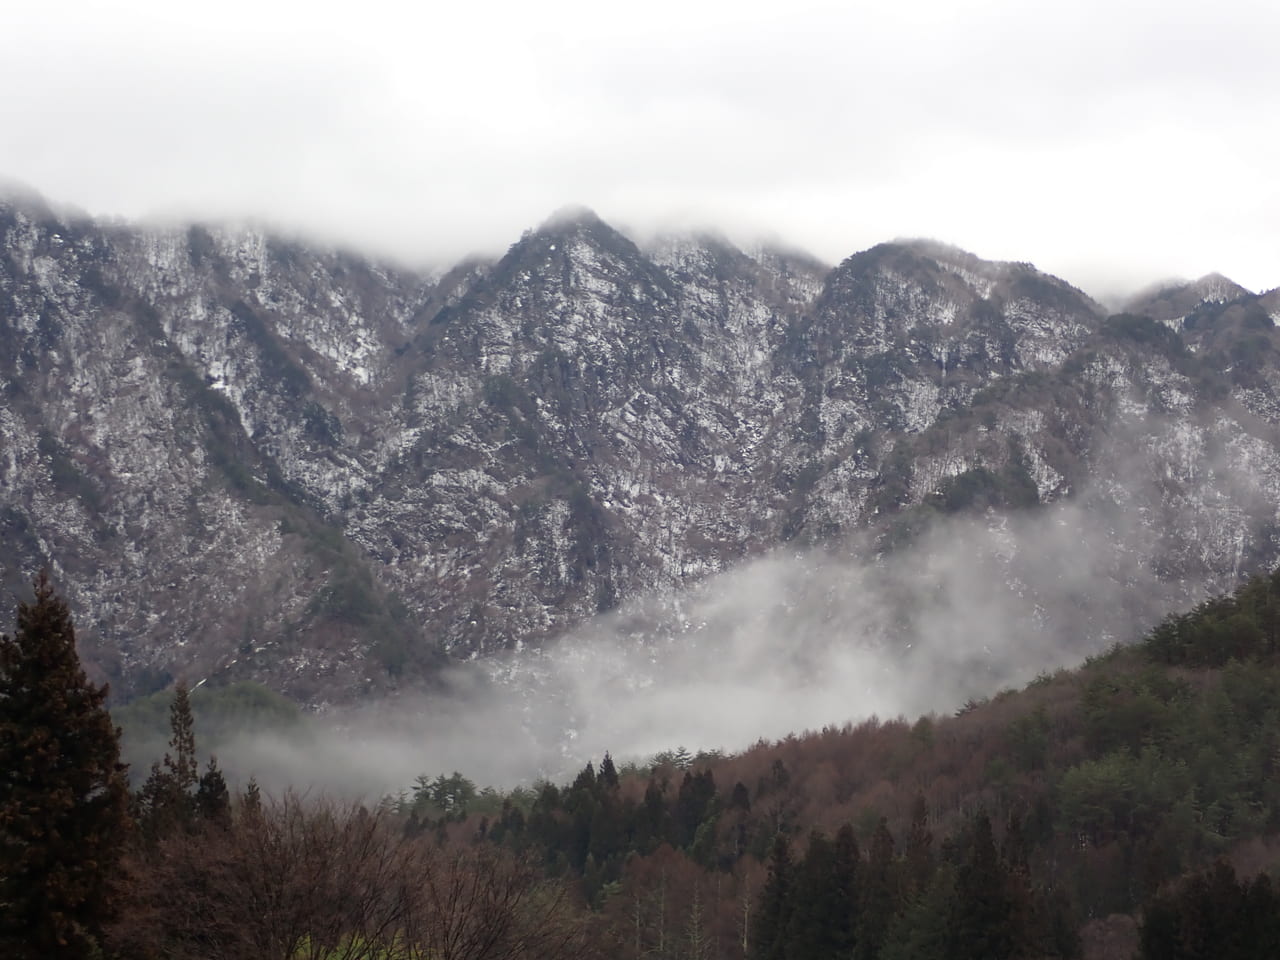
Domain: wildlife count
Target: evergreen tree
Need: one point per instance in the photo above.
(845, 885)
(651, 819)
(1212, 916)
(696, 794)
(983, 924)
(63, 796)
(769, 929)
(1260, 917)
(819, 928)
(918, 851)
(923, 931)
(213, 799)
(879, 900)
(167, 799)
(608, 776)
(181, 763)
(251, 798)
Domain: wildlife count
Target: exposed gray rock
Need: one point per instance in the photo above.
(248, 457)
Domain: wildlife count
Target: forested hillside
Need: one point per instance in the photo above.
(1041, 822)
(1128, 806)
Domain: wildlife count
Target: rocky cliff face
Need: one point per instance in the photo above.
(247, 457)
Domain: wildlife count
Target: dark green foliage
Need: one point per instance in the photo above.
(1212, 916)
(181, 764)
(212, 798)
(821, 923)
(1121, 794)
(984, 923)
(1243, 626)
(845, 894)
(773, 915)
(1029, 740)
(918, 859)
(693, 804)
(923, 930)
(444, 796)
(1145, 332)
(63, 795)
(651, 818)
(1130, 711)
(176, 796)
(167, 800)
(251, 799)
(352, 597)
(878, 900)
(221, 713)
(981, 488)
(608, 777)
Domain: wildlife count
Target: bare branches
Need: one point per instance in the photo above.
(299, 880)
(482, 904)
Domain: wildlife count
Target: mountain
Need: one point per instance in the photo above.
(247, 457)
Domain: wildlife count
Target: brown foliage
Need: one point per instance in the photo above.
(670, 907)
(319, 880)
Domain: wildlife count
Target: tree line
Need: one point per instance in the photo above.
(185, 868)
(1140, 789)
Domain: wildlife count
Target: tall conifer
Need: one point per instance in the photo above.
(181, 763)
(879, 899)
(63, 794)
(769, 929)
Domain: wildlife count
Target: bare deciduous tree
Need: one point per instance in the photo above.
(304, 879)
(483, 904)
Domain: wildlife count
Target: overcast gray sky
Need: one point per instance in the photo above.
(1113, 143)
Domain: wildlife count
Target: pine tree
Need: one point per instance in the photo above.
(820, 927)
(918, 851)
(181, 764)
(769, 929)
(251, 800)
(63, 795)
(213, 799)
(845, 882)
(608, 776)
(167, 799)
(983, 925)
(923, 930)
(879, 900)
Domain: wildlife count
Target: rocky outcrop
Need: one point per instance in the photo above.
(248, 457)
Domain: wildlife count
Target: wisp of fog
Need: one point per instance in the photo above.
(794, 640)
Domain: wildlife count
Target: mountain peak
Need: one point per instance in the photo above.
(1174, 299)
(16, 195)
(569, 217)
(1216, 287)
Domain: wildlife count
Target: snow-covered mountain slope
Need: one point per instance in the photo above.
(247, 457)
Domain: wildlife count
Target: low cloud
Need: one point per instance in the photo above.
(433, 133)
(785, 643)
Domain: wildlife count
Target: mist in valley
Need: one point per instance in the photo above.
(795, 640)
